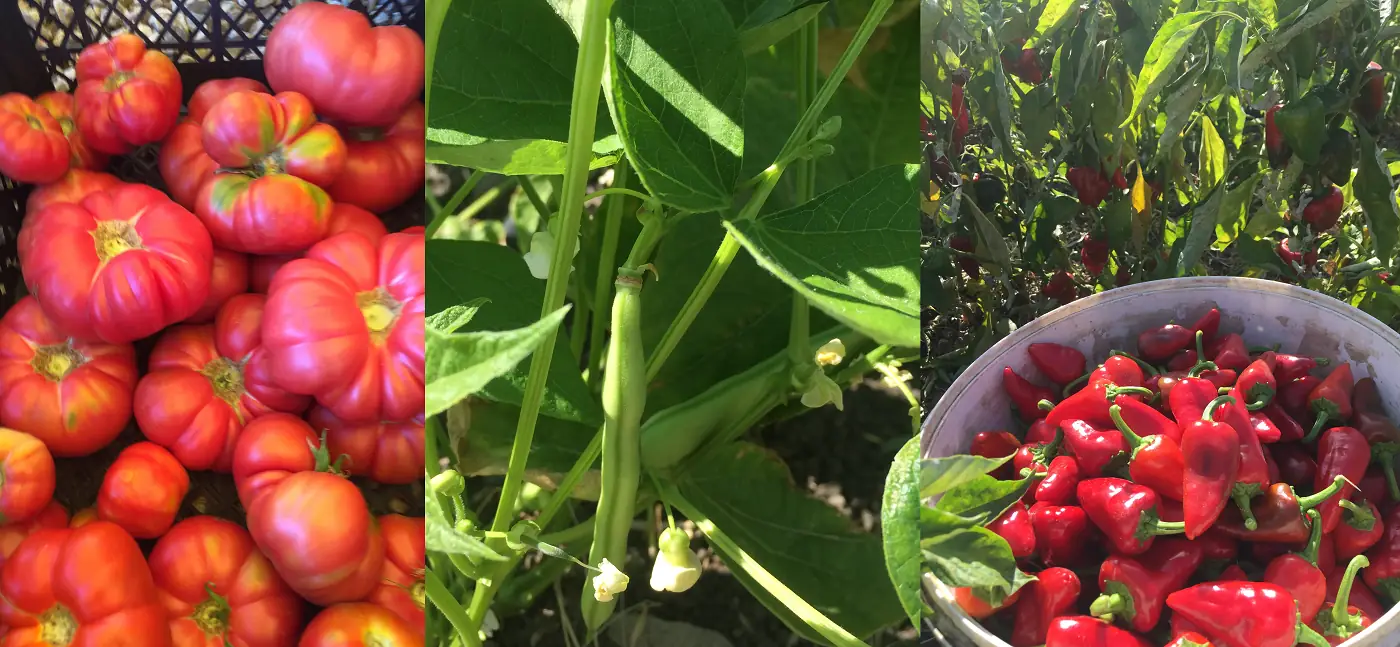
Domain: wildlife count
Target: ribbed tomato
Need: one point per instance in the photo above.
(219, 590)
(127, 95)
(75, 185)
(383, 166)
(213, 91)
(142, 490)
(81, 587)
(345, 324)
(353, 73)
(385, 452)
(344, 217)
(276, 203)
(63, 107)
(229, 278)
(73, 395)
(401, 587)
(360, 625)
(206, 382)
(11, 534)
(32, 146)
(284, 482)
(26, 476)
(183, 163)
(121, 265)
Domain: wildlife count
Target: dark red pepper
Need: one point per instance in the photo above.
(1061, 364)
(1361, 528)
(1126, 512)
(1156, 460)
(1264, 428)
(1183, 360)
(1370, 418)
(1061, 287)
(1135, 590)
(1331, 400)
(1298, 572)
(1230, 353)
(1087, 631)
(1015, 527)
(1025, 395)
(1089, 184)
(1257, 383)
(1244, 614)
(1159, 344)
(1208, 325)
(1341, 452)
(960, 117)
(1383, 576)
(1327, 554)
(1096, 449)
(1340, 620)
(1217, 546)
(1274, 143)
(996, 444)
(1288, 428)
(1370, 102)
(1373, 486)
(1221, 378)
(1052, 594)
(1295, 464)
(1163, 385)
(1212, 455)
(1232, 573)
(1253, 475)
(963, 243)
(1094, 255)
(1291, 367)
(1324, 210)
(1059, 533)
(1042, 432)
(1279, 513)
(1293, 396)
(1060, 482)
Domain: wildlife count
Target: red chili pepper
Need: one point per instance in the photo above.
(1370, 102)
(1279, 513)
(1094, 255)
(1183, 360)
(1244, 614)
(1253, 475)
(1298, 572)
(1230, 353)
(996, 444)
(1233, 573)
(1159, 344)
(1291, 367)
(1041, 432)
(1061, 364)
(1190, 639)
(1156, 460)
(1341, 452)
(1094, 448)
(1059, 533)
(1340, 620)
(1361, 528)
(1373, 486)
(1060, 482)
(1118, 377)
(1169, 510)
(1089, 184)
(1362, 597)
(1208, 325)
(1324, 210)
(1035, 457)
(1327, 554)
(1370, 418)
(960, 117)
(1264, 428)
(1295, 464)
(1120, 182)
(1126, 512)
(1269, 460)
(1212, 454)
(1052, 594)
(1190, 397)
(1222, 378)
(1383, 576)
(978, 608)
(1274, 144)
(1086, 631)
(1135, 590)
(1180, 626)
(1257, 383)
(1331, 400)
(1061, 288)
(1217, 546)
(1015, 527)
(1025, 395)
(1288, 428)
(1293, 395)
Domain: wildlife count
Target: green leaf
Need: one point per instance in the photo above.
(899, 529)
(1212, 156)
(459, 365)
(1278, 187)
(441, 537)
(678, 102)
(972, 557)
(758, 37)
(1055, 211)
(1260, 254)
(454, 317)
(939, 475)
(1039, 110)
(1280, 40)
(984, 498)
(851, 252)
(1168, 49)
(1056, 14)
(1117, 218)
(515, 157)
(1265, 11)
(1375, 190)
(483, 432)
(988, 235)
(1233, 210)
(1301, 123)
(1180, 106)
(1202, 230)
(460, 271)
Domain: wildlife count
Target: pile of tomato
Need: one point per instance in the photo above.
(288, 346)
(1195, 491)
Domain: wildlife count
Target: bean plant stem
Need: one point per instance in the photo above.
(533, 195)
(450, 608)
(484, 200)
(617, 190)
(602, 285)
(806, 169)
(441, 214)
(588, 80)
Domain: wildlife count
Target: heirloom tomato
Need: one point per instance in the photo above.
(206, 382)
(32, 146)
(274, 203)
(26, 476)
(386, 452)
(63, 107)
(73, 395)
(345, 324)
(401, 587)
(142, 490)
(127, 95)
(311, 522)
(75, 185)
(352, 72)
(344, 217)
(81, 587)
(229, 278)
(118, 266)
(11, 534)
(360, 625)
(219, 590)
(383, 167)
(184, 165)
(213, 91)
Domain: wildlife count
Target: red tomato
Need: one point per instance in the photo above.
(219, 590)
(344, 217)
(142, 490)
(288, 501)
(184, 165)
(73, 395)
(346, 324)
(360, 625)
(230, 278)
(75, 185)
(401, 586)
(127, 95)
(63, 107)
(355, 73)
(383, 167)
(121, 265)
(84, 587)
(32, 146)
(11, 534)
(213, 91)
(386, 452)
(26, 476)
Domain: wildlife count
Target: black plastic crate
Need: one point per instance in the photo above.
(207, 39)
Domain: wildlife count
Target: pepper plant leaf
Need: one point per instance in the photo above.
(459, 365)
(975, 558)
(939, 475)
(1168, 49)
(1375, 190)
(984, 498)
(899, 529)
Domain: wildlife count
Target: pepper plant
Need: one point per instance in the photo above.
(753, 254)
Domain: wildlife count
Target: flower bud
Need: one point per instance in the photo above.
(449, 483)
(608, 582)
(677, 567)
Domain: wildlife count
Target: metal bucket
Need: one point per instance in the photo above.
(1300, 321)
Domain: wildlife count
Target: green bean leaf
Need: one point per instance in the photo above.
(449, 320)
(899, 529)
(758, 33)
(459, 365)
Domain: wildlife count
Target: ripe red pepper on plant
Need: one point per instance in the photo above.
(1094, 255)
(958, 108)
(1370, 418)
(1341, 452)
(1274, 144)
(1061, 364)
(963, 243)
(1052, 594)
(996, 444)
(1298, 572)
(1061, 288)
(1026, 395)
(1135, 590)
(1087, 631)
(1361, 528)
(1212, 454)
(1089, 184)
(1156, 460)
(1279, 514)
(1244, 614)
(1059, 533)
(1370, 103)
(1325, 209)
(1340, 620)
(1015, 527)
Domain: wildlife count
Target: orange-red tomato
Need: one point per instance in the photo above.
(219, 590)
(386, 452)
(142, 490)
(83, 587)
(121, 265)
(63, 107)
(344, 217)
(230, 277)
(401, 587)
(314, 526)
(345, 324)
(127, 95)
(184, 165)
(352, 72)
(26, 476)
(32, 146)
(383, 167)
(73, 395)
(11, 534)
(360, 625)
(213, 91)
(75, 185)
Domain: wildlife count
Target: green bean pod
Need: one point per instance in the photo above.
(624, 400)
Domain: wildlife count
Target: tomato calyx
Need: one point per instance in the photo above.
(212, 615)
(112, 237)
(116, 79)
(379, 309)
(322, 454)
(270, 164)
(57, 626)
(226, 376)
(56, 361)
(34, 122)
(419, 592)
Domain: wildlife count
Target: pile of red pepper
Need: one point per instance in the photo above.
(1195, 492)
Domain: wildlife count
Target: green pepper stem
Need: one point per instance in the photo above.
(1313, 500)
(1134, 440)
(1241, 499)
(1146, 368)
(1340, 616)
(1358, 517)
(1310, 551)
(1201, 367)
(1200, 345)
(1322, 417)
(1209, 413)
(1305, 634)
(1045, 405)
(1321, 361)
(1077, 381)
(1169, 527)
(1106, 605)
(1112, 391)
